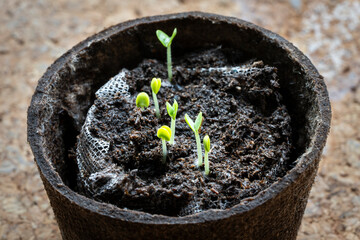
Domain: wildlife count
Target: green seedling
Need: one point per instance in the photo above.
(165, 134)
(142, 100)
(172, 110)
(196, 127)
(166, 41)
(155, 87)
(206, 142)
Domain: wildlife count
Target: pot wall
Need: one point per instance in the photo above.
(66, 91)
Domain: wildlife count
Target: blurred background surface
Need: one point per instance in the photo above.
(34, 33)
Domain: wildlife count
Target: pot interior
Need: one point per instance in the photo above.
(71, 83)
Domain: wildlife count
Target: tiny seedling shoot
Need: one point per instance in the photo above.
(172, 110)
(155, 87)
(165, 134)
(166, 41)
(142, 100)
(196, 127)
(206, 142)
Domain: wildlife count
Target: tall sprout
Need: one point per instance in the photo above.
(196, 127)
(166, 42)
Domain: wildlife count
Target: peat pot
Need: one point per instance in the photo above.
(67, 90)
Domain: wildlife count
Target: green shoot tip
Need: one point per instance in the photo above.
(142, 100)
(172, 110)
(155, 85)
(164, 38)
(194, 126)
(206, 142)
(164, 133)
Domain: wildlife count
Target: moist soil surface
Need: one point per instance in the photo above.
(244, 116)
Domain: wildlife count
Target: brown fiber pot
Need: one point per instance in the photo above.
(66, 91)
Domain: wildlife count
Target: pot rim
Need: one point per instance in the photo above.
(310, 154)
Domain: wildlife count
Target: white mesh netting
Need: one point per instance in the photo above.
(91, 150)
(116, 85)
(244, 70)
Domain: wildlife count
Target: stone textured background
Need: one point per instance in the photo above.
(34, 33)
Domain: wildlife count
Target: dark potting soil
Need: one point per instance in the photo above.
(244, 116)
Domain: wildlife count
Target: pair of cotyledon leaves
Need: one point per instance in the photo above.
(194, 126)
(172, 110)
(164, 133)
(164, 38)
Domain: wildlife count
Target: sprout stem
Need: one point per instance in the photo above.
(172, 131)
(164, 150)
(199, 152)
(207, 149)
(169, 63)
(156, 103)
(206, 163)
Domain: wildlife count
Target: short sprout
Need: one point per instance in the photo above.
(196, 127)
(165, 134)
(166, 41)
(142, 100)
(155, 87)
(206, 142)
(172, 111)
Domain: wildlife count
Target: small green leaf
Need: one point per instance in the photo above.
(206, 142)
(190, 122)
(175, 106)
(198, 122)
(164, 133)
(169, 109)
(173, 35)
(155, 85)
(142, 100)
(164, 38)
